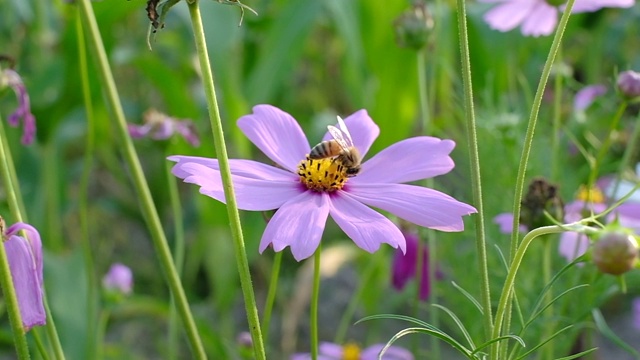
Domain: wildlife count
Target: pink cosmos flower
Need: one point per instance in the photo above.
(306, 191)
(587, 95)
(539, 17)
(12, 79)
(119, 278)
(404, 266)
(331, 351)
(159, 126)
(25, 263)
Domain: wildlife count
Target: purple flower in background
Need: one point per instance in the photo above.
(404, 266)
(159, 126)
(119, 278)
(635, 312)
(306, 191)
(25, 263)
(331, 351)
(629, 83)
(586, 96)
(9, 77)
(539, 17)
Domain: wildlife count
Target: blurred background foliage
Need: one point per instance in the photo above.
(313, 59)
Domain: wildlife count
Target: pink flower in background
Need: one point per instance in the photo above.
(587, 95)
(12, 79)
(305, 191)
(119, 278)
(404, 266)
(539, 17)
(159, 126)
(25, 263)
(331, 351)
(635, 313)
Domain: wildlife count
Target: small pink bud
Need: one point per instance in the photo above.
(629, 83)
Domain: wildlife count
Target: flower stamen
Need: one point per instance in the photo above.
(322, 174)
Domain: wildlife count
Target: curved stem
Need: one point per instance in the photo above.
(472, 139)
(271, 295)
(315, 295)
(6, 280)
(142, 188)
(83, 201)
(230, 199)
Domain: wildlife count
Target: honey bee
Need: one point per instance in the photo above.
(341, 148)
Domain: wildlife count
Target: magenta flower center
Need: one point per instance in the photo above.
(322, 174)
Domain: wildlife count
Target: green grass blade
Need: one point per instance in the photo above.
(453, 316)
(606, 331)
(469, 296)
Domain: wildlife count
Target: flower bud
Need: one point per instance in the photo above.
(413, 26)
(615, 252)
(629, 83)
(541, 196)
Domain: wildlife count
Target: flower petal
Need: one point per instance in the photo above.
(365, 226)
(417, 204)
(251, 194)
(243, 168)
(542, 20)
(587, 95)
(362, 129)
(408, 160)
(581, 6)
(508, 15)
(505, 222)
(26, 280)
(298, 223)
(392, 353)
(404, 265)
(330, 349)
(277, 135)
(573, 245)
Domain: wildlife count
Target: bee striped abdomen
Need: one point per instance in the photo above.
(324, 150)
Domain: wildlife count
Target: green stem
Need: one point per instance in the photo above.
(83, 201)
(271, 295)
(9, 292)
(604, 148)
(549, 324)
(101, 330)
(628, 153)
(142, 188)
(52, 193)
(178, 255)
(315, 295)
(507, 289)
(230, 198)
(472, 139)
(557, 111)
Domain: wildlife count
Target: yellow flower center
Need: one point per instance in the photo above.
(593, 195)
(322, 174)
(350, 351)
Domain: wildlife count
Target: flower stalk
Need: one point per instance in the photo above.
(142, 188)
(271, 295)
(315, 295)
(476, 184)
(232, 207)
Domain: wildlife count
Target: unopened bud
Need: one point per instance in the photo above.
(629, 83)
(615, 252)
(413, 26)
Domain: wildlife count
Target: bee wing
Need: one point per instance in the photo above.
(345, 131)
(338, 136)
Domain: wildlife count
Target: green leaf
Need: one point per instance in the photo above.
(459, 323)
(606, 331)
(469, 296)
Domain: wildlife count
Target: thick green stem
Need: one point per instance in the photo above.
(315, 295)
(9, 292)
(524, 159)
(83, 201)
(476, 183)
(271, 295)
(142, 188)
(230, 198)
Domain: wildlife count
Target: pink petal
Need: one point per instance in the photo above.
(505, 222)
(26, 281)
(392, 353)
(244, 168)
(542, 20)
(586, 96)
(594, 5)
(277, 135)
(330, 349)
(508, 15)
(366, 227)
(362, 129)
(573, 245)
(298, 223)
(251, 194)
(419, 205)
(408, 160)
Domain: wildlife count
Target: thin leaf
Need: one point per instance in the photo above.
(540, 298)
(453, 316)
(469, 296)
(606, 331)
(504, 337)
(554, 300)
(398, 317)
(544, 342)
(439, 334)
(578, 355)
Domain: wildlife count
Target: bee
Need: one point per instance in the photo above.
(341, 148)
